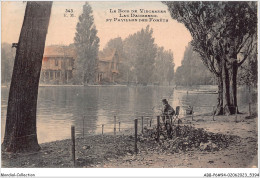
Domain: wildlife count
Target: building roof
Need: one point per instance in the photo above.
(107, 55)
(59, 51)
(70, 51)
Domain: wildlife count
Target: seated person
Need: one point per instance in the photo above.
(167, 113)
(167, 110)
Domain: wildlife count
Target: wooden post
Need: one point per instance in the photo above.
(177, 129)
(102, 129)
(119, 126)
(67, 76)
(158, 128)
(83, 126)
(163, 119)
(147, 122)
(249, 107)
(192, 113)
(213, 114)
(136, 136)
(142, 124)
(249, 104)
(114, 125)
(73, 144)
(150, 122)
(236, 113)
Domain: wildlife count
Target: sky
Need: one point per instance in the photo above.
(170, 35)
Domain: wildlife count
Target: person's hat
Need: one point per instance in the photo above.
(164, 101)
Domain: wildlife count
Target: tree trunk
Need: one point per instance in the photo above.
(233, 99)
(20, 130)
(230, 87)
(219, 109)
(226, 88)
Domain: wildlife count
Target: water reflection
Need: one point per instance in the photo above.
(60, 107)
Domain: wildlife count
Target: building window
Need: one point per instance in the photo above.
(56, 62)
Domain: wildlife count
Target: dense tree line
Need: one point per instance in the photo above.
(192, 71)
(142, 61)
(164, 66)
(140, 51)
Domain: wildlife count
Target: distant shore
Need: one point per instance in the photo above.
(47, 85)
(69, 85)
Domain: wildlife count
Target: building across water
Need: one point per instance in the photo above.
(58, 65)
(108, 64)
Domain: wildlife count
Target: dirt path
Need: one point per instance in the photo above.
(117, 151)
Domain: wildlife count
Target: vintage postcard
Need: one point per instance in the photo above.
(129, 84)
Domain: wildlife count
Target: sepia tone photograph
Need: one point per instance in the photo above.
(128, 84)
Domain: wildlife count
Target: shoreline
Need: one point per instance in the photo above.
(118, 151)
(42, 85)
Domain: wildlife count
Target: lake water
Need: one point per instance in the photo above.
(59, 107)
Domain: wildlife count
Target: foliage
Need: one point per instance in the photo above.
(217, 28)
(248, 73)
(198, 18)
(7, 62)
(87, 45)
(141, 52)
(221, 31)
(186, 138)
(192, 71)
(115, 43)
(164, 66)
(130, 51)
(141, 61)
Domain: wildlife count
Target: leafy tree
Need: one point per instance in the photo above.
(237, 41)
(198, 18)
(20, 129)
(248, 73)
(192, 71)
(7, 62)
(115, 43)
(170, 73)
(164, 66)
(220, 31)
(130, 51)
(87, 46)
(141, 52)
